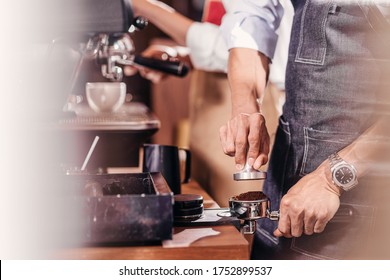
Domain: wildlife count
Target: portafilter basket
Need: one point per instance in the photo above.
(249, 207)
(252, 209)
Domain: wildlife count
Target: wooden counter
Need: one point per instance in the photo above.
(222, 242)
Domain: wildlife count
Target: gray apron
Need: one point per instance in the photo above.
(335, 90)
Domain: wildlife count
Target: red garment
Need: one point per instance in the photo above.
(213, 11)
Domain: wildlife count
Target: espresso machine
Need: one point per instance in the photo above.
(121, 207)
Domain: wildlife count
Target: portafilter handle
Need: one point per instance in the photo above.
(176, 68)
(343, 214)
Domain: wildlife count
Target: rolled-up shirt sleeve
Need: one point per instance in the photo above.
(253, 24)
(208, 47)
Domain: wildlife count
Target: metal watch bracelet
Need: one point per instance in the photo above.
(334, 159)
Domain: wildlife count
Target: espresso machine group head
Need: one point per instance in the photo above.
(114, 51)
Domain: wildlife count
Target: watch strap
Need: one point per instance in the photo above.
(334, 159)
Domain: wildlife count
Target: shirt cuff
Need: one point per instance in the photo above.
(251, 32)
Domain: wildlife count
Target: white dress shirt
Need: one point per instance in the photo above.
(209, 49)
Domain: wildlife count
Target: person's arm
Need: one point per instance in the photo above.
(250, 33)
(245, 135)
(207, 48)
(163, 17)
(311, 203)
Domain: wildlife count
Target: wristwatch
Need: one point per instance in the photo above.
(344, 174)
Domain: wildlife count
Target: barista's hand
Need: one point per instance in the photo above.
(245, 136)
(308, 205)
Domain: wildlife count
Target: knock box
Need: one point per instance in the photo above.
(122, 208)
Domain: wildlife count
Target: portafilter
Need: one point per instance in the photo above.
(251, 206)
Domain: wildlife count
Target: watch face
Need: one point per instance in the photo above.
(344, 175)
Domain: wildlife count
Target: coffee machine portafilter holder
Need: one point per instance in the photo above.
(114, 48)
(113, 51)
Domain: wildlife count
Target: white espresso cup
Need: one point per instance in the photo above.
(105, 97)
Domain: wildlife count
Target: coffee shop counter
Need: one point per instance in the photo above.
(221, 242)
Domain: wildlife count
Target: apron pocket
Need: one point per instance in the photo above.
(312, 39)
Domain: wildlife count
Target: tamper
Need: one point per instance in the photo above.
(249, 173)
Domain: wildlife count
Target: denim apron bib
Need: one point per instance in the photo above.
(332, 93)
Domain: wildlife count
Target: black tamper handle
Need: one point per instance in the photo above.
(176, 68)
